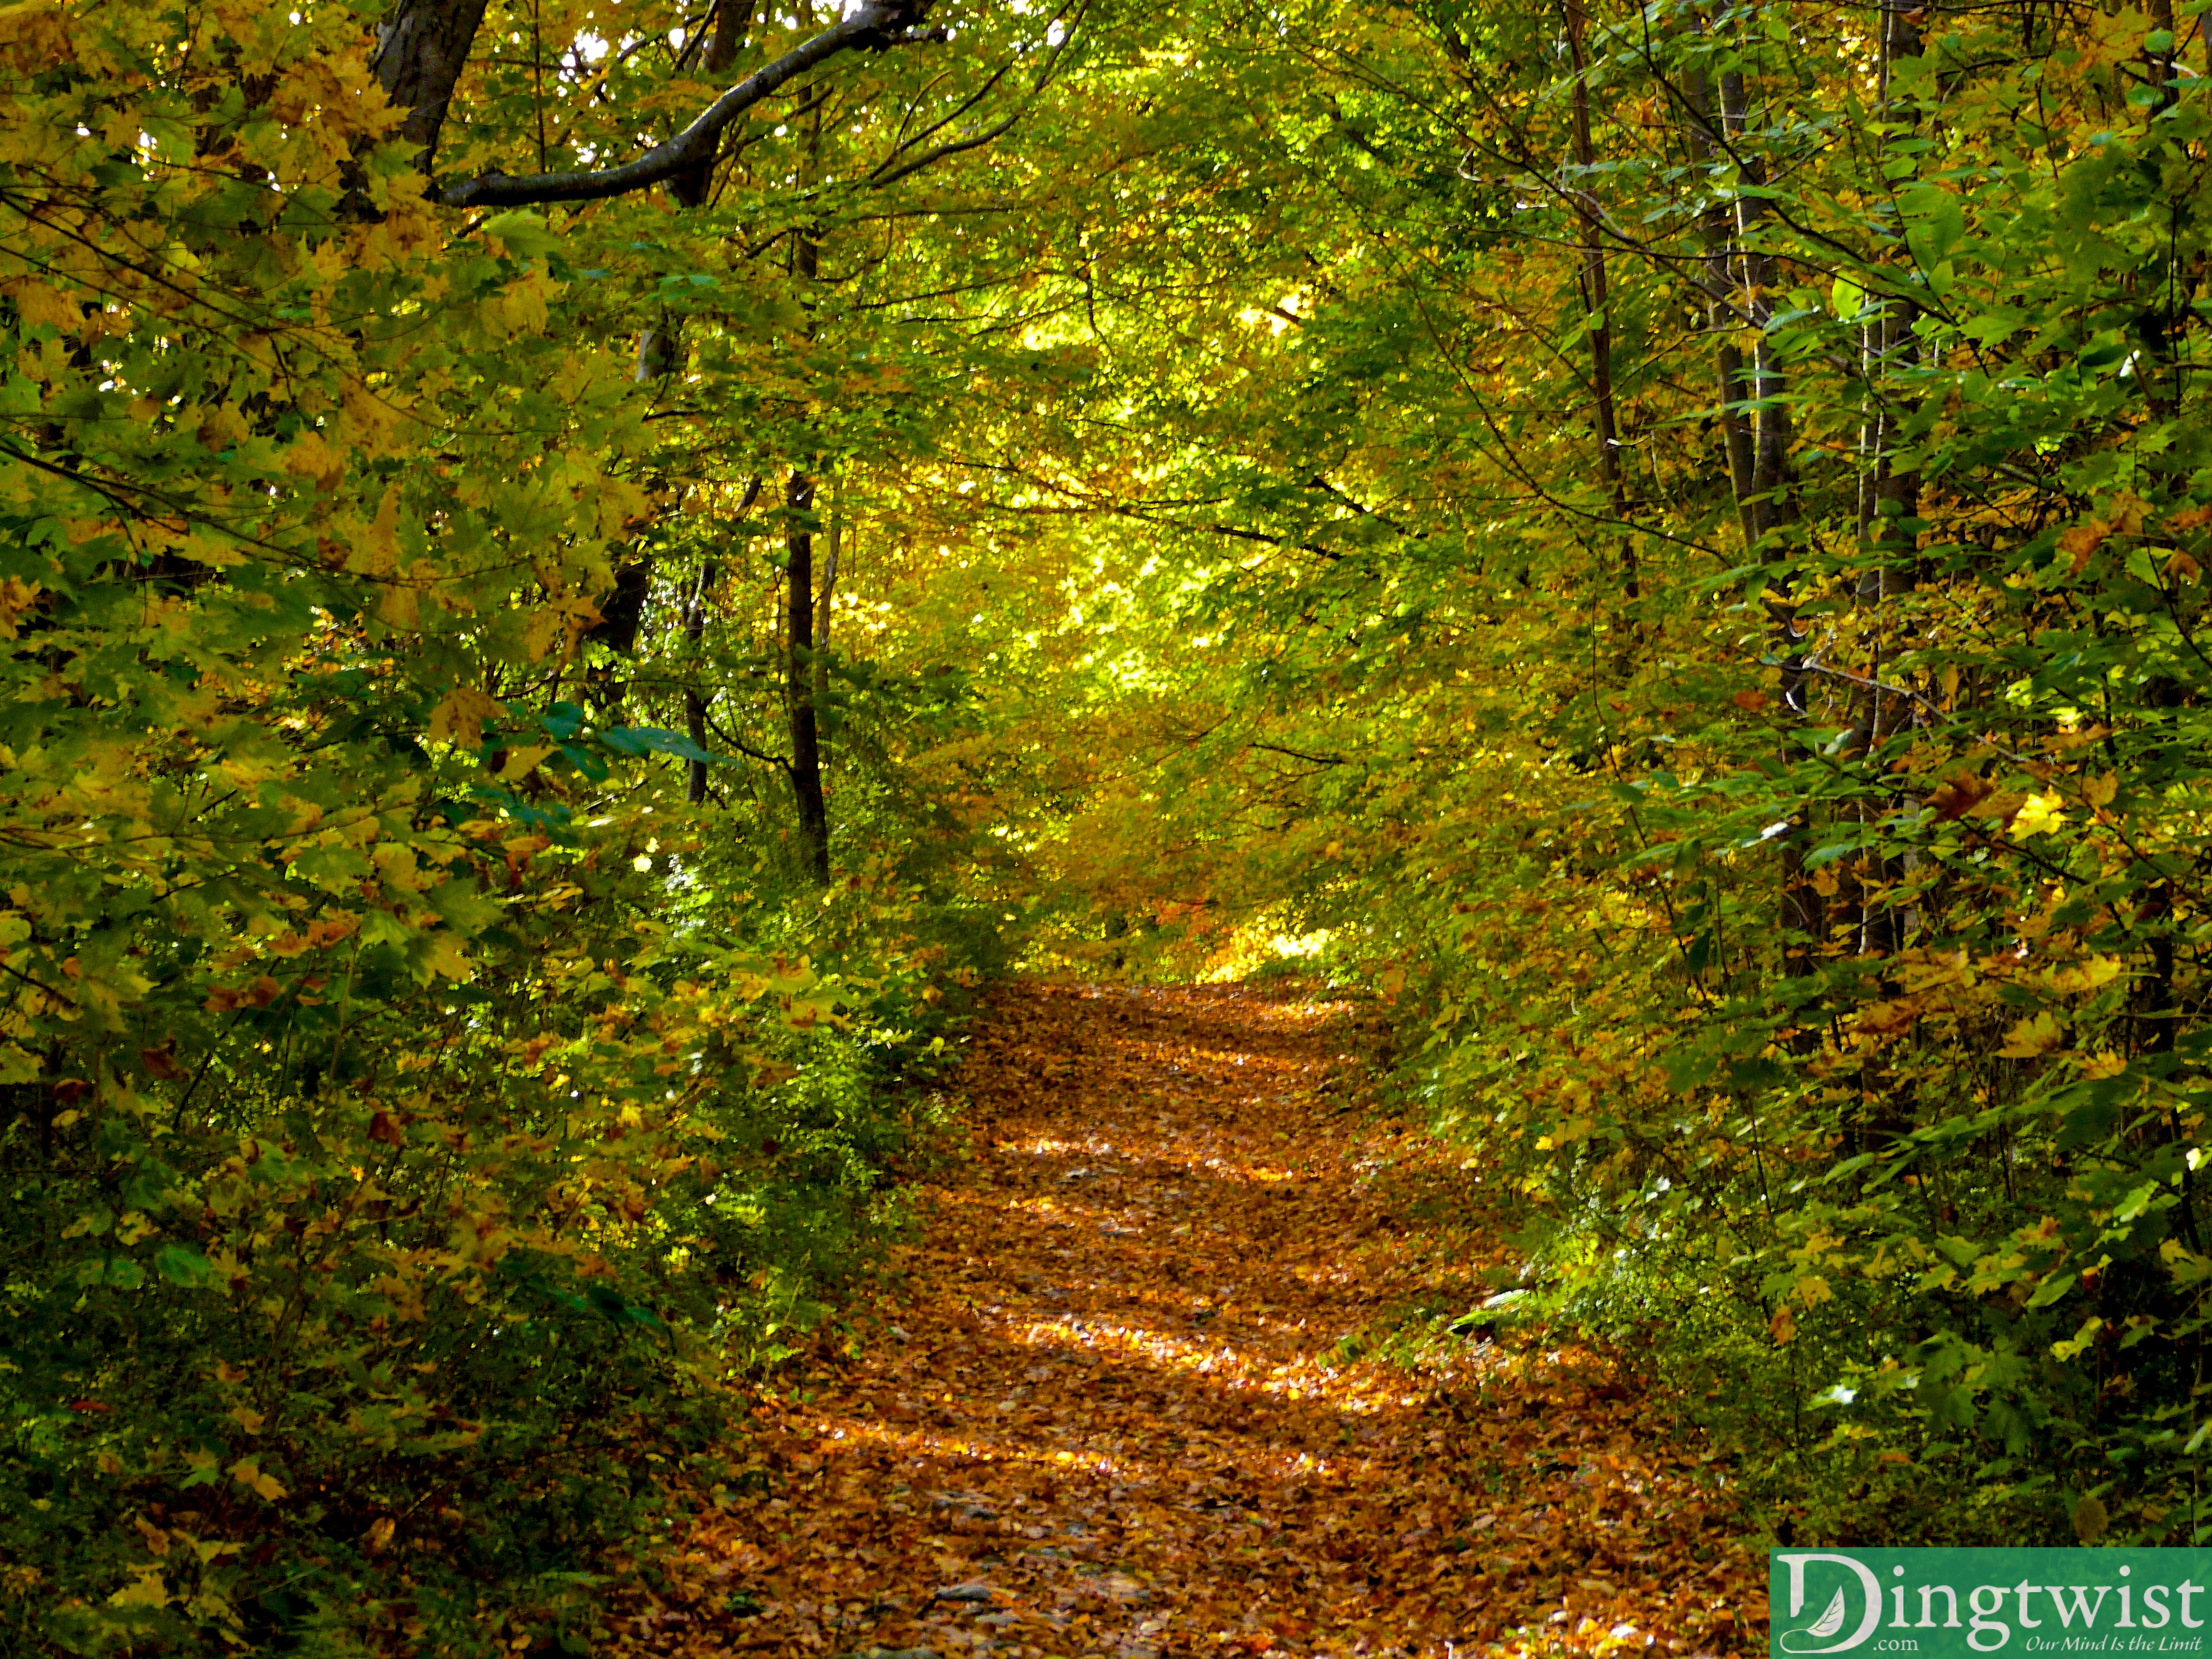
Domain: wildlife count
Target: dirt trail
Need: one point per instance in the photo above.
(1110, 1406)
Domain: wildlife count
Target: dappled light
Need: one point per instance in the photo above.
(1092, 831)
(1164, 1374)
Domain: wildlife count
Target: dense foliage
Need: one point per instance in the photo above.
(1731, 486)
(1667, 541)
(423, 1097)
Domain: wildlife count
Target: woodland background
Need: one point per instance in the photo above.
(1669, 541)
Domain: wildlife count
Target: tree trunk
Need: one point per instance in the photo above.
(733, 18)
(823, 602)
(1888, 498)
(798, 680)
(421, 49)
(1596, 302)
(799, 606)
(694, 633)
(1735, 282)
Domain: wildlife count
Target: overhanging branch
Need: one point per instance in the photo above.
(879, 23)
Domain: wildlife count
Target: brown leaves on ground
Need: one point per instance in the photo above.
(1109, 1406)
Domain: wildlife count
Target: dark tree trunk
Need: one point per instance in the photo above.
(799, 681)
(798, 600)
(421, 50)
(731, 19)
(1735, 282)
(823, 600)
(694, 633)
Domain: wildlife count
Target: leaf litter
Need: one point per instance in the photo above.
(1130, 1392)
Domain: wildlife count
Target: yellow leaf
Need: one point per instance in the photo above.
(1812, 1291)
(2037, 814)
(460, 716)
(2082, 540)
(2086, 974)
(447, 957)
(39, 305)
(520, 763)
(2035, 1035)
(149, 1591)
(378, 554)
(16, 597)
(248, 1472)
(400, 604)
(549, 628)
(309, 457)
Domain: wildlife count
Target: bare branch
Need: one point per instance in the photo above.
(879, 23)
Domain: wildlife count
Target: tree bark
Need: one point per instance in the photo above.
(798, 680)
(799, 603)
(1888, 498)
(1597, 300)
(1735, 280)
(421, 50)
(733, 18)
(1716, 280)
(882, 23)
(694, 633)
(822, 601)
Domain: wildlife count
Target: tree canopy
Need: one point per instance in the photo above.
(573, 574)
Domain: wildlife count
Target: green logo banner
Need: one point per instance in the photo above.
(1960, 1603)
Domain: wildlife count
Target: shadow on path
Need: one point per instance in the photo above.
(1113, 1405)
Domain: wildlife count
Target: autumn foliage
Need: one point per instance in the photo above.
(575, 577)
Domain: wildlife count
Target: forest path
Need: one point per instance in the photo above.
(1110, 1406)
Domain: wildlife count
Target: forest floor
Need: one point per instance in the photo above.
(1147, 1383)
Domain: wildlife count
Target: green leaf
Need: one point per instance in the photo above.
(125, 1274)
(525, 234)
(1935, 220)
(182, 1265)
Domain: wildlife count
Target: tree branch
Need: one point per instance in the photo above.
(1300, 754)
(879, 23)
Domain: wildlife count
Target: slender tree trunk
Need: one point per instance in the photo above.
(1889, 498)
(694, 633)
(695, 700)
(822, 602)
(1716, 280)
(798, 607)
(1770, 476)
(1597, 299)
(1755, 423)
(798, 680)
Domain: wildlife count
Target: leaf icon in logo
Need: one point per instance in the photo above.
(1829, 1622)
